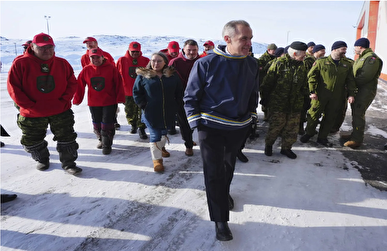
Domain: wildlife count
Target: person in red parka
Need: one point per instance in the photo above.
(127, 66)
(104, 93)
(208, 45)
(42, 85)
(172, 51)
(91, 43)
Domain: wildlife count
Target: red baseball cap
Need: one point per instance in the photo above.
(95, 52)
(135, 46)
(27, 43)
(89, 39)
(173, 46)
(210, 43)
(43, 39)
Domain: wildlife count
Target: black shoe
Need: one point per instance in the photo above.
(242, 157)
(133, 130)
(142, 133)
(172, 131)
(289, 153)
(268, 150)
(230, 203)
(7, 197)
(106, 150)
(43, 165)
(305, 138)
(223, 232)
(324, 142)
(74, 170)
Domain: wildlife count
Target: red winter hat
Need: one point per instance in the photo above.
(173, 46)
(43, 39)
(210, 43)
(135, 46)
(95, 52)
(89, 39)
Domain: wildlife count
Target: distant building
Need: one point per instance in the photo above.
(372, 24)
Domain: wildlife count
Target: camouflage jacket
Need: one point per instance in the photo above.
(367, 69)
(308, 62)
(326, 79)
(284, 85)
(262, 62)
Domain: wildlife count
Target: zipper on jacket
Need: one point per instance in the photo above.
(162, 89)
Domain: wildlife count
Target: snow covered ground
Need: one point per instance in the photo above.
(318, 201)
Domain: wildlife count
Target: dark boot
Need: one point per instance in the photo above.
(97, 132)
(67, 155)
(7, 197)
(223, 232)
(107, 135)
(242, 157)
(142, 133)
(305, 138)
(134, 129)
(40, 153)
(268, 150)
(288, 153)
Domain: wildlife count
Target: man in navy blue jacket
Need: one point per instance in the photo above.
(220, 101)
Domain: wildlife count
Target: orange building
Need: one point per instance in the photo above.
(372, 24)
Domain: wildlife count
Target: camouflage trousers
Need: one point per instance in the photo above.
(34, 130)
(133, 113)
(284, 125)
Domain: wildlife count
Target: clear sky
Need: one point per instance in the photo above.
(280, 22)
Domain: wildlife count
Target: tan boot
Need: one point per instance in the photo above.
(158, 165)
(165, 153)
(352, 144)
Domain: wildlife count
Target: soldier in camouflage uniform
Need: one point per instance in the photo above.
(42, 85)
(263, 60)
(282, 91)
(330, 83)
(366, 70)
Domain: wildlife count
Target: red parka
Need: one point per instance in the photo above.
(85, 59)
(41, 88)
(104, 85)
(128, 70)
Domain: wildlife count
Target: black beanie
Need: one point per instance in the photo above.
(299, 46)
(338, 44)
(279, 52)
(318, 47)
(363, 42)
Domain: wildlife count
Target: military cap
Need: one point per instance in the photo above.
(299, 46)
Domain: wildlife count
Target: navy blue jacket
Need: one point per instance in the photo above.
(158, 97)
(222, 91)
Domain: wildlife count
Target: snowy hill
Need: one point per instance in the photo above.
(72, 48)
(320, 201)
